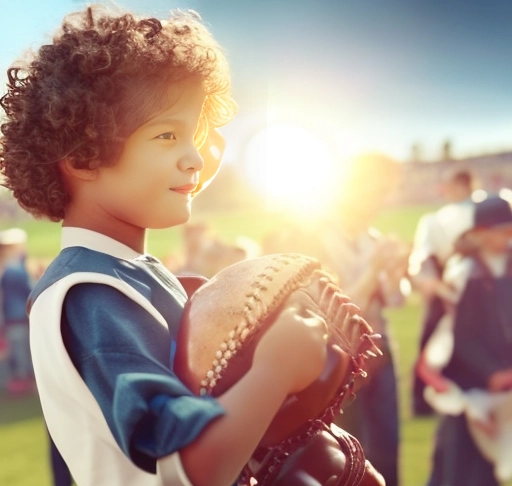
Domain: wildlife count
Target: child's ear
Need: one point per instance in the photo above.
(68, 170)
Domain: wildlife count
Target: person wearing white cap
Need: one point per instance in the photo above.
(15, 287)
(467, 362)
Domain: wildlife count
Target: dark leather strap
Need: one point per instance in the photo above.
(322, 455)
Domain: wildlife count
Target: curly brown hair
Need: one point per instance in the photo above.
(81, 96)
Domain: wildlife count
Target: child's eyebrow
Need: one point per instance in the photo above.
(168, 120)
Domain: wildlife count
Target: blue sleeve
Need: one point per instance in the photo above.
(122, 354)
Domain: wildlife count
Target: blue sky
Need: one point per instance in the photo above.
(371, 74)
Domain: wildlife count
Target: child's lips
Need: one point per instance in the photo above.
(186, 189)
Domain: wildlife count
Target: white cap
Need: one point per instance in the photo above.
(13, 236)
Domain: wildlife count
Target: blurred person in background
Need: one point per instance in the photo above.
(434, 238)
(206, 254)
(16, 283)
(467, 363)
(370, 268)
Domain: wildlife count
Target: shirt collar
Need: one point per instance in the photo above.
(72, 236)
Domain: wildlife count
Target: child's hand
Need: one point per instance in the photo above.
(500, 381)
(294, 347)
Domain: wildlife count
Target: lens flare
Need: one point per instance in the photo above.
(292, 167)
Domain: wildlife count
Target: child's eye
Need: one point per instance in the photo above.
(167, 136)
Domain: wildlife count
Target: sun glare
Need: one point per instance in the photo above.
(292, 167)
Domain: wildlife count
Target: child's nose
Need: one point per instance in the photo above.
(192, 161)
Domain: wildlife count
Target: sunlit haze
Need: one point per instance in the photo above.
(291, 166)
(384, 75)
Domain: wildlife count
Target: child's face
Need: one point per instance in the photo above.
(151, 184)
(9, 253)
(494, 240)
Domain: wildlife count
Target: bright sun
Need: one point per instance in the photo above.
(292, 167)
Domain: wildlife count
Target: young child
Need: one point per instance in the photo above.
(108, 129)
(471, 383)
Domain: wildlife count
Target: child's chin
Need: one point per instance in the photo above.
(182, 218)
(170, 222)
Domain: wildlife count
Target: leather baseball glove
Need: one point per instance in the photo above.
(223, 321)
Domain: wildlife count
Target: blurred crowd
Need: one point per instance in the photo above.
(459, 263)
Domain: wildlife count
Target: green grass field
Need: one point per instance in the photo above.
(23, 441)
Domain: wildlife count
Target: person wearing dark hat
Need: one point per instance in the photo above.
(474, 384)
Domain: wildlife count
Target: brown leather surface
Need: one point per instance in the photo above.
(222, 324)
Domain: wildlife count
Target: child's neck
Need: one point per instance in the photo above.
(131, 236)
